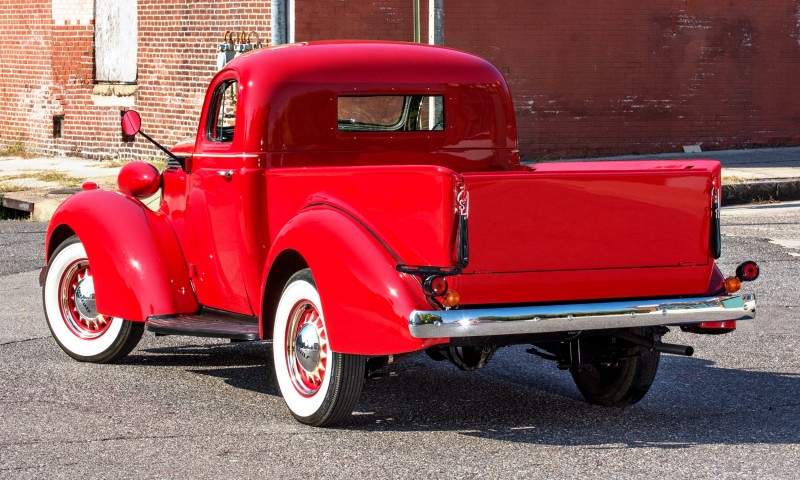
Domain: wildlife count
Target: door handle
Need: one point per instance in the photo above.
(226, 174)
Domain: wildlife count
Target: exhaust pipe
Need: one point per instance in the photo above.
(673, 349)
(661, 347)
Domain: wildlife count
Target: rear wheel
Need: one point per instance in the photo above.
(320, 386)
(69, 305)
(621, 382)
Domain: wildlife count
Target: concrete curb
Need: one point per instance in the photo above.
(763, 191)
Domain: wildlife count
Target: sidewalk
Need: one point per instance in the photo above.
(748, 176)
(38, 185)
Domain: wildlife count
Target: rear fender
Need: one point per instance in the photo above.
(137, 264)
(365, 300)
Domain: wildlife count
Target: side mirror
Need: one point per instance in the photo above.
(131, 122)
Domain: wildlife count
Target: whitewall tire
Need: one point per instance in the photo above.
(68, 297)
(320, 386)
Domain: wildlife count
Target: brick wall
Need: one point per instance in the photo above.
(72, 81)
(354, 19)
(25, 72)
(616, 76)
(588, 78)
(176, 59)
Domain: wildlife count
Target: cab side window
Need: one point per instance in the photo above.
(222, 117)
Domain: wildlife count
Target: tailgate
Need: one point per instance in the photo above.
(588, 216)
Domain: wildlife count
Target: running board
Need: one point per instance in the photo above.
(208, 323)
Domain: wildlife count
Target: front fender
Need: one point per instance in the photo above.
(137, 264)
(365, 300)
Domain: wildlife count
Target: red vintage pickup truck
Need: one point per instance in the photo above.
(356, 202)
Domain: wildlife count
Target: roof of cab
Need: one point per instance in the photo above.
(288, 97)
(360, 61)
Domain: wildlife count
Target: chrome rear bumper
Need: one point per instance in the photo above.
(481, 322)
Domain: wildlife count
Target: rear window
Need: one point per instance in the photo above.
(390, 113)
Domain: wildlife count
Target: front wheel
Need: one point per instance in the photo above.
(320, 386)
(69, 305)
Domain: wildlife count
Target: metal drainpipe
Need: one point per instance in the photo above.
(435, 37)
(436, 22)
(279, 22)
(417, 38)
(282, 21)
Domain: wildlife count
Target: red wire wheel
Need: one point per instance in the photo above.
(81, 322)
(307, 348)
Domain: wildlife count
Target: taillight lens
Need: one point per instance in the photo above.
(435, 285)
(747, 271)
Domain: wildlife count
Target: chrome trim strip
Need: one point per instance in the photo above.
(582, 316)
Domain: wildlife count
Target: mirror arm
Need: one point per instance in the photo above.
(170, 154)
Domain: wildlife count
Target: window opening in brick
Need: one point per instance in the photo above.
(58, 126)
(390, 113)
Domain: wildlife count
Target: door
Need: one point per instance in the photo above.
(214, 240)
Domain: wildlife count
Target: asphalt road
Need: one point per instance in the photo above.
(180, 407)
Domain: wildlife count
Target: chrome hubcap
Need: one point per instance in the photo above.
(307, 348)
(84, 298)
(78, 307)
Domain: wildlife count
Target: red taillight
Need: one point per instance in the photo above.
(436, 285)
(747, 271)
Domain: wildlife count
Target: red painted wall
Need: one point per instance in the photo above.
(615, 76)
(354, 19)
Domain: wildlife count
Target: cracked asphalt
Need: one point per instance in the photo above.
(181, 407)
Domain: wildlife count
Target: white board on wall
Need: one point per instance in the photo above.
(73, 12)
(115, 41)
